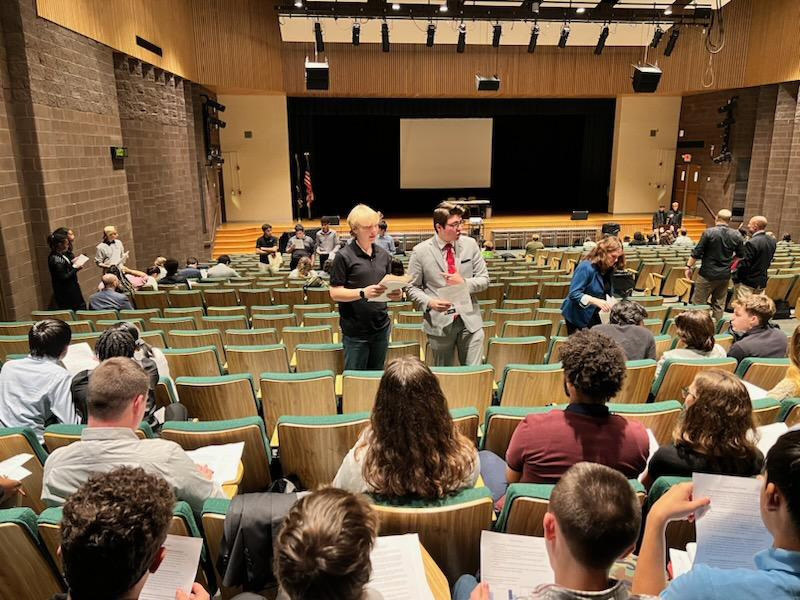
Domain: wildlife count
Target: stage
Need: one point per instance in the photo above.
(240, 238)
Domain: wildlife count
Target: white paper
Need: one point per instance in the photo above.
(177, 571)
(223, 460)
(159, 415)
(654, 446)
(391, 283)
(769, 434)
(681, 560)
(605, 317)
(79, 260)
(79, 357)
(397, 569)
(514, 565)
(756, 393)
(729, 531)
(12, 468)
(458, 295)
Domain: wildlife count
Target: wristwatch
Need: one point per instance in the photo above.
(362, 294)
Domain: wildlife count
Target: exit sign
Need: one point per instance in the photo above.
(686, 158)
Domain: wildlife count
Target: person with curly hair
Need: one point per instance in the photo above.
(113, 530)
(411, 447)
(626, 327)
(696, 335)
(714, 433)
(545, 445)
(323, 548)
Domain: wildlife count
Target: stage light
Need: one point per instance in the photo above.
(673, 38)
(534, 39)
(580, 10)
(667, 11)
(497, 31)
(657, 35)
(601, 43)
(215, 105)
(320, 43)
(216, 123)
(562, 41)
(395, 6)
(431, 35)
(462, 38)
(298, 3)
(443, 8)
(356, 34)
(385, 37)
(727, 122)
(535, 6)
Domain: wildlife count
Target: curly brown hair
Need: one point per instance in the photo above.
(412, 446)
(720, 419)
(323, 548)
(696, 330)
(594, 364)
(111, 531)
(604, 247)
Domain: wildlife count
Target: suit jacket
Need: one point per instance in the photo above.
(752, 268)
(587, 279)
(426, 268)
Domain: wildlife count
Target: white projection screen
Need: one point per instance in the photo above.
(445, 153)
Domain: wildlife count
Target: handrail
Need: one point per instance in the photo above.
(707, 207)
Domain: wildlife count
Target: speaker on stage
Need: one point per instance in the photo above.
(611, 229)
(332, 220)
(579, 215)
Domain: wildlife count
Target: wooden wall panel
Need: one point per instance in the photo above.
(774, 47)
(116, 23)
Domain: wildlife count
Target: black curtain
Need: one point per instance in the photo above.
(548, 156)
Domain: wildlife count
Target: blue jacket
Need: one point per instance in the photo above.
(586, 279)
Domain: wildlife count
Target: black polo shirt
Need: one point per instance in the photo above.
(716, 248)
(353, 268)
(266, 241)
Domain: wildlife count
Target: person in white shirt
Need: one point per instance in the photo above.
(303, 269)
(35, 390)
(683, 239)
(696, 332)
(589, 244)
(327, 241)
(222, 268)
(117, 400)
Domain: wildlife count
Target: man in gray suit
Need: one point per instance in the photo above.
(449, 258)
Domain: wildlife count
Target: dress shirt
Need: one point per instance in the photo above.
(109, 254)
(221, 270)
(387, 243)
(102, 449)
(34, 391)
(326, 242)
(303, 245)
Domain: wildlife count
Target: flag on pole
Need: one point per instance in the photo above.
(307, 182)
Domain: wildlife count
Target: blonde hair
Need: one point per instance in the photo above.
(758, 305)
(109, 229)
(362, 216)
(159, 261)
(304, 266)
(724, 215)
(793, 372)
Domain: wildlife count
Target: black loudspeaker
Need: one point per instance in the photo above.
(611, 229)
(487, 84)
(646, 78)
(579, 215)
(317, 75)
(332, 220)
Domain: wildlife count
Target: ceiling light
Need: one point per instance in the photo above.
(534, 39)
(443, 8)
(395, 6)
(431, 35)
(535, 6)
(562, 41)
(385, 37)
(673, 38)
(601, 42)
(462, 38)
(497, 31)
(356, 34)
(668, 11)
(298, 3)
(657, 35)
(580, 10)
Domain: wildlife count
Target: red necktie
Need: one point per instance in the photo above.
(451, 258)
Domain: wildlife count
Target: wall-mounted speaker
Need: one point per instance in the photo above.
(646, 78)
(487, 84)
(332, 220)
(317, 75)
(579, 215)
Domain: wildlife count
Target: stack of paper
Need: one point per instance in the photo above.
(654, 446)
(514, 565)
(756, 393)
(12, 468)
(769, 434)
(397, 569)
(177, 571)
(223, 460)
(682, 560)
(79, 261)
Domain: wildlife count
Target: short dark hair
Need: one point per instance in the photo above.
(683, 231)
(266, 226)
(299, 227)
(192, 260)
(153, 270)
(594, 364)
(676, 202)
(782, 467)
(627, 313)
(112, 527)
(598, 513)
(224, 259)
(787, 237)
(171, 266)
(55, 239)
(696, 330)
(325, 221)
(112, 386)
(49, 338)
(444, 211)
(382, 226)
(637, 235)
(115, 342)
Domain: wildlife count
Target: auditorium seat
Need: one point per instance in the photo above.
(258, 296)
(251, 337)
(553, 290)
(314, 319)
(273, 309)
(228, 311)
(466, 386)
(139, 313)
(292, 336)
(300, 394)
(658, 313)
(500, 423)
(778, 286)
(506, 351)
(301, 310)
(530, 328)
(250, 430)
(410, 317)
(59, 435)
(220, 297)
(288, 295)
(319, 357)
(554, 348)
(398, 349)
(174, 323)
(13, 344)
(103, 325)
(663, 343)
(658, 417)
(409, 332)
(63, 315)
(15, 328)
(255, 360)
(677, 374)
(278, 321)
(674, 310)
(193, 362)
(218, 398)
(494, 291)
(532, 303)
(501, 315)
(196, 339)
(165, 392)
(639, 376)
(765, 411)
(523, 290)
(551, 314)
(763, 372)
(80, 338)
(193, 312)
(680, 532)
(359, 389)
(531, 385)
(224, 323)
(318, 295)
(97, 315)
(185, 298)
(22, 440)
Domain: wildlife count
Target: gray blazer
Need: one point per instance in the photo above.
(426, 267)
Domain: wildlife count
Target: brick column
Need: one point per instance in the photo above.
(762, 142)
(790, 214)
(779, 153)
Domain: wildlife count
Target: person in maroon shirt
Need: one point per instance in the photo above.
(545, 445)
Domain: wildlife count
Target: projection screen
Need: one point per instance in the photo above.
(445, 153)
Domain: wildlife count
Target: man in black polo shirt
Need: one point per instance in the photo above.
(358, 269)
(716, 248)
(267, 250)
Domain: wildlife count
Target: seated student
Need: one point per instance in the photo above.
(534, 245)
(35, 390)
(753, 334)
(683, 239)
(545, 445)
(109, 298)
(304, 269)
(192, 270)
(117, 401)
(789, 386)
(410, 447)
(626, 241)
(696, 330)
(713, 433)
(786, 240)
(323, 548)
(488, 249)
(113, 530)
(150, 283)
(625, 328)
(777, 569)
(593, 520)
(222, 268)
(144, 352)
(588, 244)
(638, 239)
(172, 276)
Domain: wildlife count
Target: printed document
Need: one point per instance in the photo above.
(397, 569)
(756, 393)
(769, 434)
(79, 357)
(682, 560)
(729, 531)
(223, 460)
(177, 571)
(458, 295)
(79, 261)
(391, 283)
(12, 468)
(514, 565)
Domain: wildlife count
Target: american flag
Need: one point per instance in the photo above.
(307, 182)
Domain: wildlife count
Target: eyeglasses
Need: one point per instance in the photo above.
(455, 224)
(685, 393)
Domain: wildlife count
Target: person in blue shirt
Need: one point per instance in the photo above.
(777, 569)
(591, 283)
(385, 241)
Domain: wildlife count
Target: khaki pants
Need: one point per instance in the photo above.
(717, 289)
(272, 266)
(741, 290)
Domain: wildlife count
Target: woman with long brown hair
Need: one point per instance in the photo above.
(696, 333)
(411, 447)
(591, 284)
(714, 434)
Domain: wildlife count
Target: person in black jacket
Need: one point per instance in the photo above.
(750, 275)
(63, 275)
(753, 333)
(659, 220)
(675, 217)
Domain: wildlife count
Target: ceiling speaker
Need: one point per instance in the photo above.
(317, 75)
(646, 78)
(487, 84)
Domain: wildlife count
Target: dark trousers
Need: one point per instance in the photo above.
(296, 256)
(366, 353)
(323, 258)
(595, 320)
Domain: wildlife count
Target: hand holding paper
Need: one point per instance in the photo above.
(391, 285)
(177, 570)
(79, 261)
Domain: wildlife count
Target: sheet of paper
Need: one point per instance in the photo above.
(756, 393)
(681, 564)
(605, 317)
(769, 434)
(513, 565)
(177, 571)
(79, 357)
(392, 283)
(79, 261)
(223, 460)
(458, 295)
(397, 569)
(730, 531)
(654, 446)
(12, 468)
